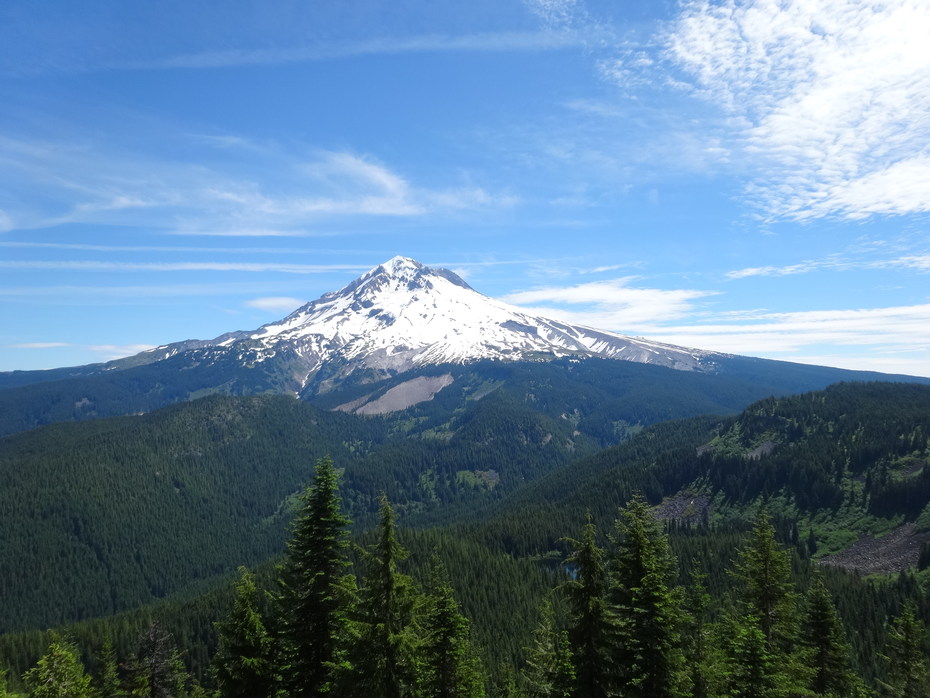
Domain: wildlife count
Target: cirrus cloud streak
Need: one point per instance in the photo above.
(895, 339)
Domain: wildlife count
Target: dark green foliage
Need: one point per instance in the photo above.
(811, 444)
(769, 602)
(828, 652)
(108, 683)
(549, 670)
(906, 656)
(383, 656)
(312, 607)
(224, 461)
(696, 644)
(157, 670)
(133, 509)
(448, 666)
(750, 670)
(141, 507)
(594, 629)
(244, 663)
(648, 606)
(763, 573)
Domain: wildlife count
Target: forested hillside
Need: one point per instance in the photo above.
(131, 509)
(796, 479)
(141, 506)
(617, 619)
(600, 389)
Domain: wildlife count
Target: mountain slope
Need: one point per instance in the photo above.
(398, 317)
(849, 461)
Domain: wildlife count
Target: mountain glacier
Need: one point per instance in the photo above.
(401, 315)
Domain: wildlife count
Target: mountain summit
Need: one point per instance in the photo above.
(398, 317)
(401, 315)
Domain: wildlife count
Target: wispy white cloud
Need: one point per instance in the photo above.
(787, 270)
(886, 330)
(831, 98)
(247, 233)
(109, 352)
(203, 36)
(89, 184)
(122, 294)
(919, 263)
(915, 262)
(557, 13)
(503, 41)
(609, 304)
(41, 345)
(254, 267)
(606, 268)
(275, 304)
(893, 339)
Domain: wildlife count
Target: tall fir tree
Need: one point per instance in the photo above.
(697, 632)
(59, 673)
(312, 598)
(594, 627)
(648, 607)
(243, 662)
(908, 674)
(762, 572)
(449, 667)
(383, 657)
(828, 651)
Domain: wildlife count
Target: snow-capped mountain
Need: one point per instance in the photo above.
(402, 315)
(398, 317)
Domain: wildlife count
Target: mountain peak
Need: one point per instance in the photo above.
(398, 273)
(398, 266)
(403, 314)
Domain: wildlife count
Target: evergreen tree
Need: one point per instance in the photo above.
(383, 658)
(312, 592)
(751, 672)
(828, 651)
(158, 671)
(108, 683)
(648, 606)
(3, 688)
(448, 666)
(58, 674)
(763, 573)
(697, 653)
(593, 633)
(905, 656)
(243, 664)
(549, 671)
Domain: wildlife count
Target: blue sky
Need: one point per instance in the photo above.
(750, 177)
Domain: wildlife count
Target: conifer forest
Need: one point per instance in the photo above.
(705, 556)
